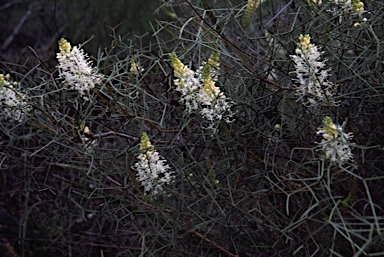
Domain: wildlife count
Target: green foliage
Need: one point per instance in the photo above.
(67, 169)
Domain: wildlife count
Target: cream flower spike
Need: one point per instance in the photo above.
(76, 70)
(152, 171)
(14, 102)
(313, 86)
(199, 92)
(335, 143)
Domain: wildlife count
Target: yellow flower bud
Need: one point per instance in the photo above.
(145, 144)
(177, 65)
(64, 46)
(330, 128)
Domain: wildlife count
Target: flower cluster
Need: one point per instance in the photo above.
(186, 83)
(152, 171)
(313, 84)
(199, 92)
(76, 70)
(15, 105)
(213, 100)
(354, 6)
(348, 7)
(335, 143)
(357, 6)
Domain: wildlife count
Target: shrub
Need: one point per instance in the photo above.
(218, 137)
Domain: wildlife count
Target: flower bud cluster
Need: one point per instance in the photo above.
(349, 7)
(355, 6)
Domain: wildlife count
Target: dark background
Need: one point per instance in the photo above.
(40, 24)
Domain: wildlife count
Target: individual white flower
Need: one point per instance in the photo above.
(312, 78)
(152, 171)
(76, 69)
(13, 102)
(335, 143)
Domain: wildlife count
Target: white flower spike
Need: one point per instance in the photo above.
(314, 88)
(152, 171)
(335, 143)
(76, 70)
(199, 92)
(15, 105)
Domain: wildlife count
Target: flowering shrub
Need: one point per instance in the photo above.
(237, 164)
